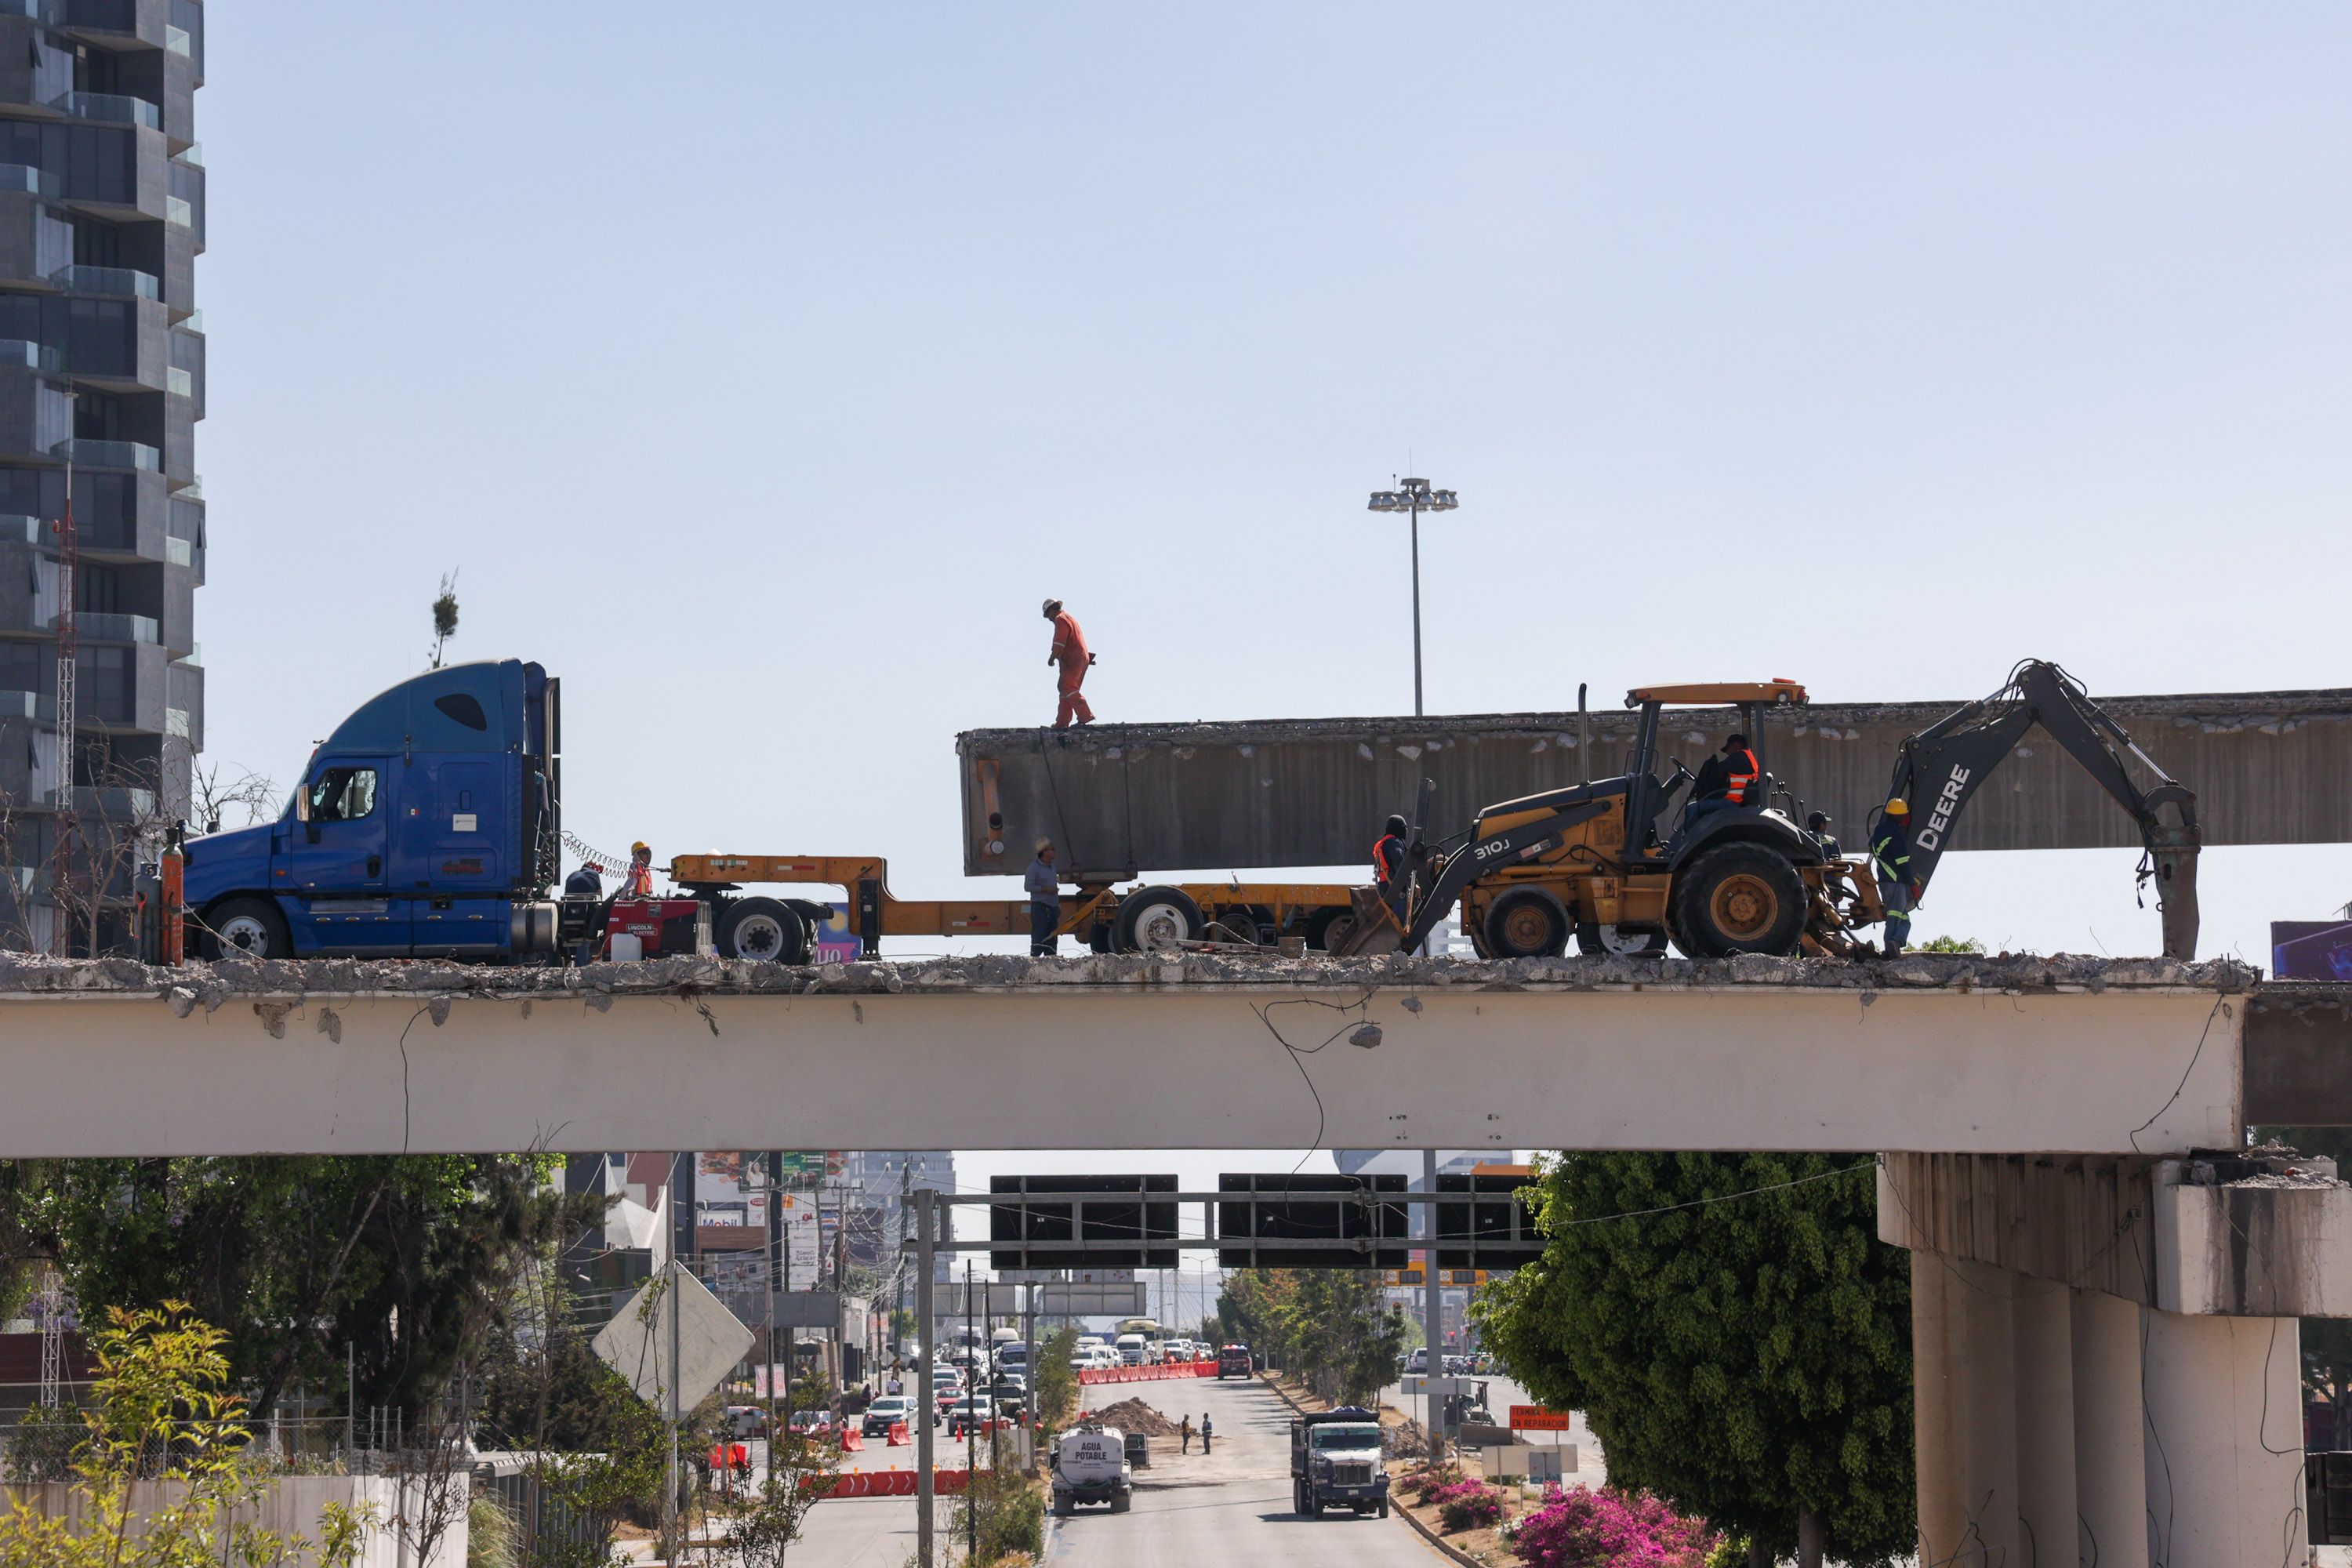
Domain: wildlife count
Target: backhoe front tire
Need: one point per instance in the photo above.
(1619, 941)
(1740, 898)
(1527, 922)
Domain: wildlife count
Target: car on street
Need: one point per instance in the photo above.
(884, 1414)
(970, 1410)
(1418, 1360)
(1233, 1361)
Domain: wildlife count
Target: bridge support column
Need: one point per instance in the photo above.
(1963, 1343)
(2223, 1450)
(2046, 1486)
(2110, 1478)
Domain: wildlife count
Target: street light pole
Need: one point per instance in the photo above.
(1414, 496)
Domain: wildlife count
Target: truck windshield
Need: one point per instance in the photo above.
(1346, 1437)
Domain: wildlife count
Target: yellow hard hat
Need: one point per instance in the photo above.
(1899, 807)
(639, 847)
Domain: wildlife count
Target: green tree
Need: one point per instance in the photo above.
(295, 1258)
(1744, 1353)
(1057, 1385)
(162, 1413)
(1328, 1326)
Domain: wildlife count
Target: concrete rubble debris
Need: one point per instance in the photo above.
(437, 982)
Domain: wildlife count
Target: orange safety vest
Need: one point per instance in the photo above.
(1738, 792)
(637, 882)
(1381, 872)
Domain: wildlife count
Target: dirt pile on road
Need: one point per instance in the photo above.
(1134, 1415)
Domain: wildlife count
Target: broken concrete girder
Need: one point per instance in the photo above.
(1312, 791)
(2253, 1237)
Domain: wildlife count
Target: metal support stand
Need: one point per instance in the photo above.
(924, 1235)
(1432, 1326)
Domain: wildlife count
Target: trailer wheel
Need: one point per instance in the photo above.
(1154, 919)
(1740, 898)
(764, 932)
(1620, 942)
(1242, 923)
(247, 928)
(1527, 922)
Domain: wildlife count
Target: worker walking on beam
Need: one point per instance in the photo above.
(1043, 886)
(1070, 652)
(1890, 862)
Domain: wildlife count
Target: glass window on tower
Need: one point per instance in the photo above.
(24, 667)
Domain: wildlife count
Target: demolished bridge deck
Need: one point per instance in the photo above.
(1928, 1053)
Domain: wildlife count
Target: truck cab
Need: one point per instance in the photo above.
(1336, 1461)
(1089, 1466)
(427, 825)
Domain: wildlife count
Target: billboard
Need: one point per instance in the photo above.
(2310, 950)
(835, 943)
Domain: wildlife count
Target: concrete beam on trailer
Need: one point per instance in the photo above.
(1984, 1056)
(2267, 767)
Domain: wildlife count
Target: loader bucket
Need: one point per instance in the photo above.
(1377, 930)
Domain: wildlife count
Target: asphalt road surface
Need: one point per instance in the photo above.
(1231, 1506)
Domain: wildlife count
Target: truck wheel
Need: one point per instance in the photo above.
(1241, 923)
(1062, 1505)
(1297, 1498)
(1384, 1507)
(1154, 919)
(247, 928)
(1329, 932)
(1118, 1504)
(764, 932)
(1741, 898)
(1620, 942)
(1527, 922)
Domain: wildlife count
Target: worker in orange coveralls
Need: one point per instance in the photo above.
(1070, 653)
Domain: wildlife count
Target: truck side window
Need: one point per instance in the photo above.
(343, 794)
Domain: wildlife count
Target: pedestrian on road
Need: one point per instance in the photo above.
(1044, 887)
(1206, 1428)
(1070, 652)
(1185, 1431)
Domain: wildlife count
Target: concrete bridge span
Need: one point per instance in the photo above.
(2105, 1285)
(1929, 1053)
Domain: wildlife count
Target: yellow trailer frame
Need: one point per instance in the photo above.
(1310, 910)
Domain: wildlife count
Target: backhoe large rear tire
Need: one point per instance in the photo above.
(1527, 922)
(1740, 898)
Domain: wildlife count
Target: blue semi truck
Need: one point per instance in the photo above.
(428, 825)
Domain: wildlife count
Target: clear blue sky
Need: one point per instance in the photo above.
(762, 367)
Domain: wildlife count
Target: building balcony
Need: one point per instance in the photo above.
(41, 707)
(14, 351)
(128, 282)
(112, 106)
(109, 455)
(110, 803)
(25, 177)
(106, 625)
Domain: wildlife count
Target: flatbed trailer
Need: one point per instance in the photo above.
(1107, 920)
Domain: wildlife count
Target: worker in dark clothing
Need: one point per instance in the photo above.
(1390, 857)
(1070, 652)
(1890, 862)
(1818, 825)
(1732, 777)
(584, 883)
(1043, 886)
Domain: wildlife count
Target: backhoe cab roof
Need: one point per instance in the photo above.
(1729, 692)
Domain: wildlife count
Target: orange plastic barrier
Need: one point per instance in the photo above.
(728, 1456)
(853, 1439)
(898, 1437)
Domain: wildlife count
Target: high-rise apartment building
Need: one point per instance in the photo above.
(101, 376)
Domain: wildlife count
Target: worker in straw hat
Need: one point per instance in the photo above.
(1043, 886)
(1890, 862)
